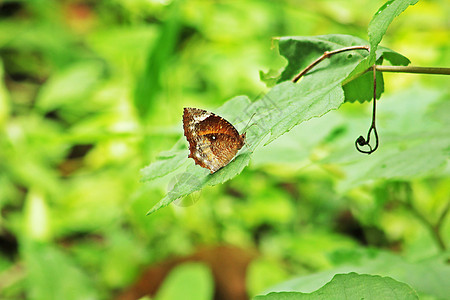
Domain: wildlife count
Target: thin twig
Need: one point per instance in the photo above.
(433, 229)
(325, 55)
(413, 69)
(380, 68)
(441, 219)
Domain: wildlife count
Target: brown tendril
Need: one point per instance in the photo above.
(361, 141)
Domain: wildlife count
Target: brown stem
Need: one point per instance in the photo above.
(325, 55)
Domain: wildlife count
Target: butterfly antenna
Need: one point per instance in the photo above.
(245, 131)
(246, 126)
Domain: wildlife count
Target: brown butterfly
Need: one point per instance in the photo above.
(213, 141)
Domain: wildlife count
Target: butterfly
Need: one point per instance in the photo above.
(213, 141)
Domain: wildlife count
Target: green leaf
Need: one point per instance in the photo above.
(361, 88)
(4, 99)
(296, 146)
(168, 161)
(428, 277)
(263, 272)
(395, 58)
(352, 286)
(52, 275)
(377, 28)
(159, 55)
(286, 105)
(383, 18)
(186, 183)
(187, 281)
(70, 87)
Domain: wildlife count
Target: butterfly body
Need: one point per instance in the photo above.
(213, 141)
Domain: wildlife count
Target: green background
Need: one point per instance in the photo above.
(93, 91)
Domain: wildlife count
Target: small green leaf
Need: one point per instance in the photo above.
(395, 58)
(187, 281)
(383, 18)
(352, 286)
(69, 87)
(361, 88)
(377, 28)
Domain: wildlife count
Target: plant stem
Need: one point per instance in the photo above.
(325, 55)
(413, 69)
(441, 219)
(397, 69)
(434, 229)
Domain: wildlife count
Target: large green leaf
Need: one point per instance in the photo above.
(286, 105)
(352, 286)
(427, 277)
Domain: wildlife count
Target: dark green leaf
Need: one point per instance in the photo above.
(361, 88)
(395, 58)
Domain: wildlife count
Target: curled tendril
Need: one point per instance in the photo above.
(361, 141)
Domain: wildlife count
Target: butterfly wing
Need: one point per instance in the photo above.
(213, 141)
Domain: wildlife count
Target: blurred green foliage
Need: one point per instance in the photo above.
(92, 91)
